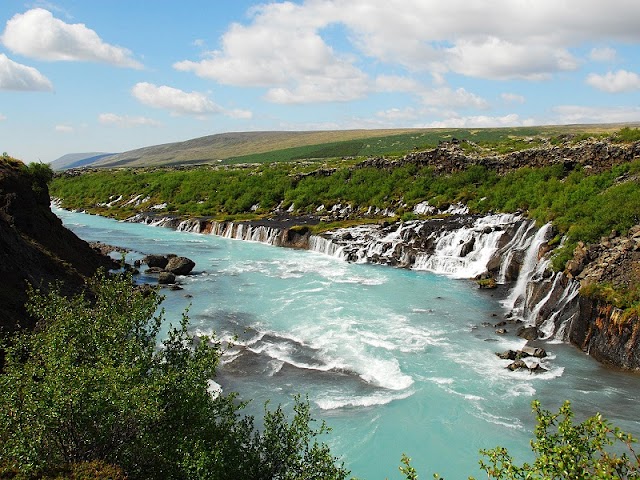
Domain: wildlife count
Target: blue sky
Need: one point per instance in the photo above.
(97, 75)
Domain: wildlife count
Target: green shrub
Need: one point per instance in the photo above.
(563, 450)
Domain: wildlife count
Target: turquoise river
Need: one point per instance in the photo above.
(395, 361)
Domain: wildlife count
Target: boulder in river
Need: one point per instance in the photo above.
(180, 265)
(157, 261)
(165, 278)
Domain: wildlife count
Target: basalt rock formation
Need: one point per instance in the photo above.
(35, 248)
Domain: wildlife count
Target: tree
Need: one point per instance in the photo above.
(92, 384)
(573, 452)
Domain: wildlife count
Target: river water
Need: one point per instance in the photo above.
(395, 361)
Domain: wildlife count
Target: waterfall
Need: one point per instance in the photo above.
(530, 267)
(517, 244)
(466, 251)
(325, 246)
(555, 325)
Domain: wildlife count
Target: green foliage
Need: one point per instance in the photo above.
(90, 384)
(40, 174)
(565, 450)
(627, 135)
(582, 206)
(624, 297)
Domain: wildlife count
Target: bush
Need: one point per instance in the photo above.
(90, 384)
(573, 452)
(563, 450)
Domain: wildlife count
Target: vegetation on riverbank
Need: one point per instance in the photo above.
(582, 205)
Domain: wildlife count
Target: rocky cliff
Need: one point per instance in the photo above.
(34, 246)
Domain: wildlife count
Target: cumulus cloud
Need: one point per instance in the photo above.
(604, 54)
(512, 98)
(15, 76)
(397, 114)
(495, 58)
(481, 121)
(179, 102)
(455, 98)
(173, 99)
(62, 128)
(282, 51)
(283, 47)
(568, 114)
(615, 82)
(38, 34)
(126, 121)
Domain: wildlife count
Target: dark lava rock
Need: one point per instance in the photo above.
(157, 261)
(166, 278)
(35, 248)
(528, 333)
(534, 351)
(180, 265)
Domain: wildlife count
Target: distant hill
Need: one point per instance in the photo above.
(73, 160)
(260, 147)
(224, 146)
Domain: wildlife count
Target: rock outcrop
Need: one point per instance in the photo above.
(35, 248)
(168, 266)
(554, 305)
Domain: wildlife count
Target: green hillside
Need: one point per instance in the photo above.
(261, 147)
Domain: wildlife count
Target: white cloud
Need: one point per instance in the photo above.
(126, 121)
(615, 82)
(397, 114)
(395, 83)
(480, 121)
(174, 100)
(284, 52)
(282, 47)
(604, 54)
(38, 34)
(495, 58)
(62, 128)
(448, 97)
(179, 102)
(568, 114)
(2, 117)
(239, 114)
(512, 98)
(15, 76)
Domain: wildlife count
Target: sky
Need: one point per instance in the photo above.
(114, 75)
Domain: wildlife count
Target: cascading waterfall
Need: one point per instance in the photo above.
(530, 267)
(325, 246)
(554, 326)
(517, 244)
(466, 251)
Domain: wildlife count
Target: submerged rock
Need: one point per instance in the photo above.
(165, 278)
